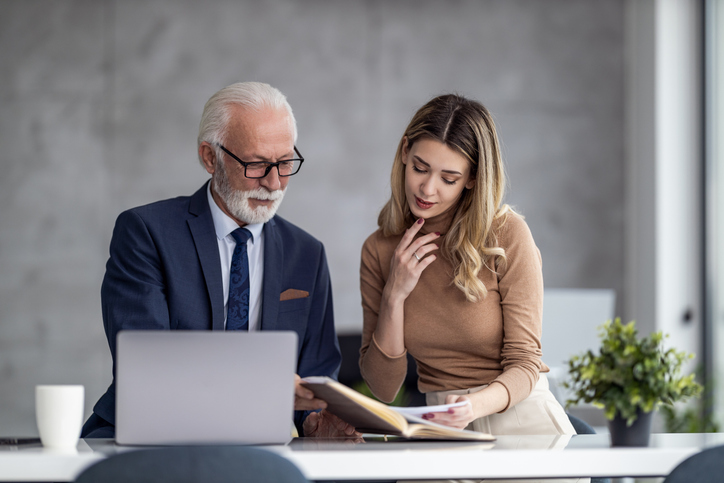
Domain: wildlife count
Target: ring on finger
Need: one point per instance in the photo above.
(418, 258)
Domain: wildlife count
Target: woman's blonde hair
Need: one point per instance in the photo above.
(466, 127)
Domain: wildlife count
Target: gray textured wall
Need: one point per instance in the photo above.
(101, 101)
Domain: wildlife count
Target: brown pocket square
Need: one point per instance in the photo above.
(292, 293)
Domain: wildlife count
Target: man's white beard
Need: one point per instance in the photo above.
(237, 202)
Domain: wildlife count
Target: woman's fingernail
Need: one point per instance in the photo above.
(437, 233)
(451, 411)
(419, 222)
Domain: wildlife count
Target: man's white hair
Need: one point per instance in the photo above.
(252, 95)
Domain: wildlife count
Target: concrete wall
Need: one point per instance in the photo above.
(100, 103)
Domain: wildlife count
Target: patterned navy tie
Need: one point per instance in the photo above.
(237, 313)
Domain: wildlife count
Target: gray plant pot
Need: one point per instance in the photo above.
(635, 435)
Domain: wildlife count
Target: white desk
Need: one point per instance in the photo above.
(508, 457)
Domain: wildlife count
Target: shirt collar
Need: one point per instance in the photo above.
(224, 224)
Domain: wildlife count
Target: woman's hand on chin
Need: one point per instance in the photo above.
(411, 257)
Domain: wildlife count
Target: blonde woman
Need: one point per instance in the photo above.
(453, 276)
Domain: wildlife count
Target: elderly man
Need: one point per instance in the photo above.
(222, 259)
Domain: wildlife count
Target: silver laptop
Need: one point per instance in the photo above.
(198, 387)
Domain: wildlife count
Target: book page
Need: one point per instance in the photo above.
(420, 410)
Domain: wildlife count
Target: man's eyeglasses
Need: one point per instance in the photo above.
(259, 169)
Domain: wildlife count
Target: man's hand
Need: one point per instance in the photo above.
(326, 425)
(304, 399)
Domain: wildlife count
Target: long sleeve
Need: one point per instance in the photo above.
(384, 374)
(133, 293)
(520, 283)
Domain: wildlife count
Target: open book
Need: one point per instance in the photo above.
(370, 416)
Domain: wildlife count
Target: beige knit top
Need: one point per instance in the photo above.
(459, 344)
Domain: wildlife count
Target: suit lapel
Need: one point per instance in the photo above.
(273, 263)
(207, 249)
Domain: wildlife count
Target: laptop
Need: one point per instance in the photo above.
(199, 387)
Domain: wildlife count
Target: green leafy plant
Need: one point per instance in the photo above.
(629, 374)
(695, 417)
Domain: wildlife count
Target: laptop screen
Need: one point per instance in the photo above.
(196, 387)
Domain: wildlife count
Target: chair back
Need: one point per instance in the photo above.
(704, 467)
(580, 425)
(194, 464)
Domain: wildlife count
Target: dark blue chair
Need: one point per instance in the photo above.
(194, 464)
(704, 467)
(580, 425)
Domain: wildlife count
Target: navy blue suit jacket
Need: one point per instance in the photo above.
(164, 273)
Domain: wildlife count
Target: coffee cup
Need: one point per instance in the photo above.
(59, 414)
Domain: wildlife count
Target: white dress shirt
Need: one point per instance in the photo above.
(224, 225)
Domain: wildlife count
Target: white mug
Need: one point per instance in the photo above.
(59, 414)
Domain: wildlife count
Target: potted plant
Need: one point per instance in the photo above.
(629, 378)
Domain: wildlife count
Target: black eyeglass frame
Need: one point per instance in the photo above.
(269, 166)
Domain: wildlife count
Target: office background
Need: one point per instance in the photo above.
(100, 104)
